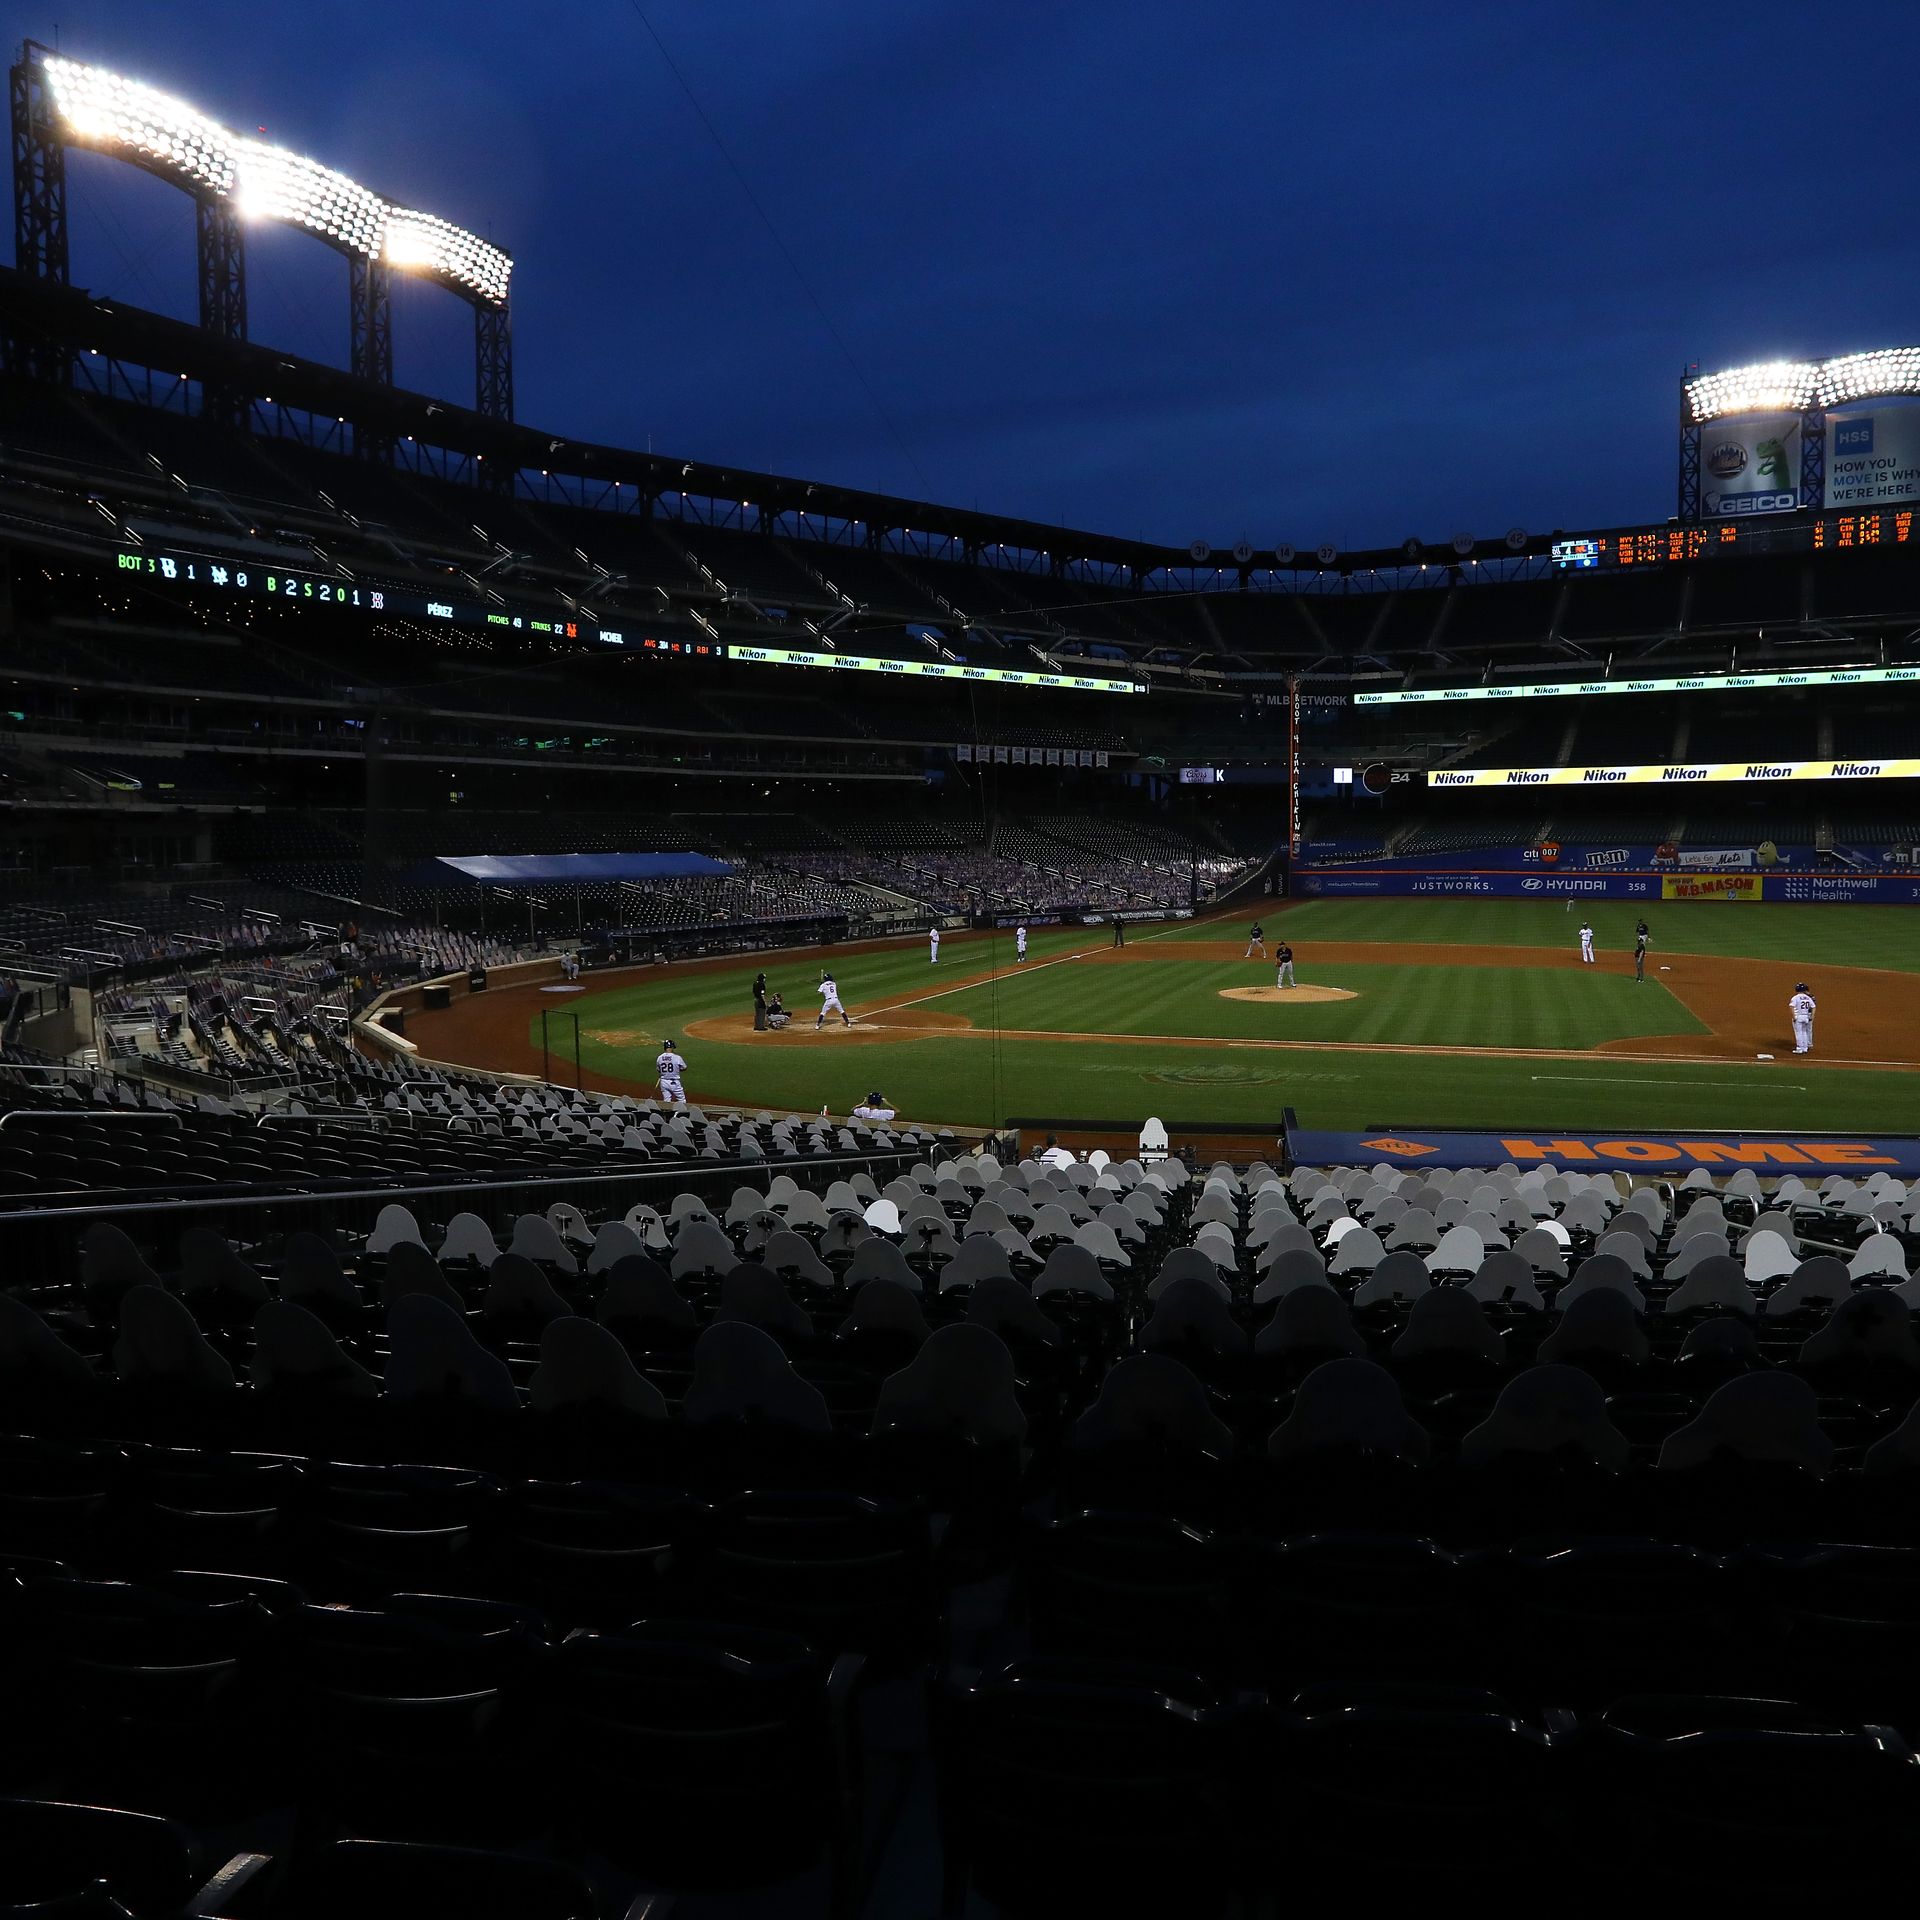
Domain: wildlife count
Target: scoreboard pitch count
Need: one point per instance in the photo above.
(1633, 549)
(261, 582)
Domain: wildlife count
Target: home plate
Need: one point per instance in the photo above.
(1295, 996)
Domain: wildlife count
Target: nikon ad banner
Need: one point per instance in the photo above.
(1873, 456)
(1750, 465)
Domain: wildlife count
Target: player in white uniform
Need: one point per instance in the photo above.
(1019, 944)
(1801, 1007)
(830, 1003)
(670, 1066)
(933, 945)
(1586, 942)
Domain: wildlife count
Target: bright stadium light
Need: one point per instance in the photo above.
(104, 110)
(1773, 386)
(432, 245)
(265, 182)
(1863, 376)
(1792, 386)
(272, 184)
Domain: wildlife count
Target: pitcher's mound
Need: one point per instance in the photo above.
(1288, 996)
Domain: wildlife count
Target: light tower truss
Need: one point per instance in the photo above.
(235, 180)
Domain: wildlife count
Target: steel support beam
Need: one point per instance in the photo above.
(223, 297)
(1689, 468)
(493, 361)
(370, 319)
(223, 268)
(1813, 458)
(370, 342)
(39, 215)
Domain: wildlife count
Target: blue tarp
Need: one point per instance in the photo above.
(570, 868)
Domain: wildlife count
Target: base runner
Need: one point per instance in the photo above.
(1801, 1008)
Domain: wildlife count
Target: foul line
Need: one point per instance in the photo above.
(1015, 972)
(1372, 1046)
(1608, 1080)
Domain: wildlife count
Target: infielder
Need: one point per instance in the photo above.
(669, 1065)
(1586, 942)
(1801, 1008)
(1283, 973)
(933, 945)
(830, 1003)
(1256, 938)
(1640, 938)
(1019, 944)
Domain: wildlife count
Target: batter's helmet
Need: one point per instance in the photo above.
(1799, 986)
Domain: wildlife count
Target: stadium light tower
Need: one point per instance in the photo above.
(1798, 391)
(234, 180)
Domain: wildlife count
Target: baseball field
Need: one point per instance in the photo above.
(1462, 1013)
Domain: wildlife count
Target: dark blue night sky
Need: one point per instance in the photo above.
(1216, 270)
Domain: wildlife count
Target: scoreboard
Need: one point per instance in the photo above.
(1634, 549)
(267, 580)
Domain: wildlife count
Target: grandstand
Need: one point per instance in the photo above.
(1104, 1426)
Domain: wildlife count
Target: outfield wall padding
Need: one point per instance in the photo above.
(1667, 1156)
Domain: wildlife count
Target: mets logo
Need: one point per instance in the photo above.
(1409, 1149)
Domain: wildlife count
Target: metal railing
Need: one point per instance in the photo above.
(43, 1243)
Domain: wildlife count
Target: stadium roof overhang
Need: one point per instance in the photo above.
(81, 322)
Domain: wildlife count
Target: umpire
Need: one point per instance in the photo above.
(759, 1003)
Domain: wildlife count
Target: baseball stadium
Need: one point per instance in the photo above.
(721, 1194)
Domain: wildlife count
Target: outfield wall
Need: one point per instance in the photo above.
(1400, 882)
(1769, 1155)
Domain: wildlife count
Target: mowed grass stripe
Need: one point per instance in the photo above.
(1396, 1006)
(1069, 1079)
(985, 1079)
(1835, 936)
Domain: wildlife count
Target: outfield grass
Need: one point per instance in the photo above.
(1832, 936)
(1173, 1000)
(1397, 1006)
